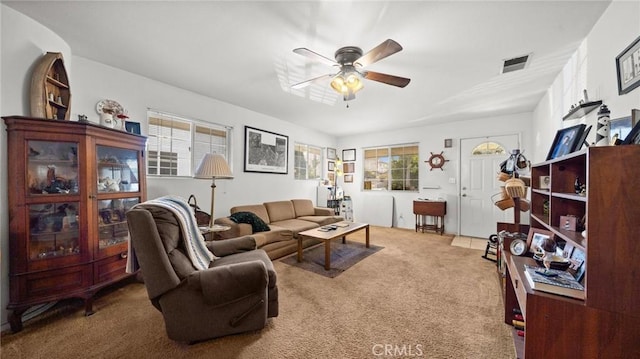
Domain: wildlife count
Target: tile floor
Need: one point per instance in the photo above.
(470, 242)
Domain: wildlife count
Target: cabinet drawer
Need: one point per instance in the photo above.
(518, 287)
(51, 283)
(111, 268)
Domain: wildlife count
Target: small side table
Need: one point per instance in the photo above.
(209, 233)
(426, 208)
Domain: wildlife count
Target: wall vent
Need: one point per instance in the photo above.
(515, 64)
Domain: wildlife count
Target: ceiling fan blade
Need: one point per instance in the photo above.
(387, 79)
(306, 83)
(314, 56)
(386, 48)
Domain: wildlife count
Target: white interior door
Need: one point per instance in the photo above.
(478, 182)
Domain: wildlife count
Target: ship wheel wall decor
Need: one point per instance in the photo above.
(436, 161)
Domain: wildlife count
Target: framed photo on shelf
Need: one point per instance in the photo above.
(331, 166)
(536, 236)
(349, 155)
(265, 152)
(331, 153)
(578, 264)
(567, 140)
(620, 128)
(633, 138)
(132, 127)
(628, 68)
(348, 178)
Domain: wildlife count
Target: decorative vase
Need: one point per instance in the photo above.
(106, 120)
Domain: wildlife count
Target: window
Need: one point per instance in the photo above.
(391, 168)
(176, 145)
(488, 148)
(308, 162)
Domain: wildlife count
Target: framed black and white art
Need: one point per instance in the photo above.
(265, 152)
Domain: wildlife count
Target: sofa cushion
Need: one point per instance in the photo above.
(321, 220)
(280, 210)
(276, 234)
(258, 209)
(296, 225)
(303, 207)
(257, 224)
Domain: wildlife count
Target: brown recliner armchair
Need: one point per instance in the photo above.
(237, 293)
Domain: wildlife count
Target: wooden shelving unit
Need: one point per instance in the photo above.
(605, 324)
(50, 93)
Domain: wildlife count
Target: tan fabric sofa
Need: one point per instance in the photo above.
(285, 220)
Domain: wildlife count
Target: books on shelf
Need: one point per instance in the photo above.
(563, 283)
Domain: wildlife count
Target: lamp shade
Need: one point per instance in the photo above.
(213, 166)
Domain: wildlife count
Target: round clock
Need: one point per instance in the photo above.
(518, 247)
(436, 160)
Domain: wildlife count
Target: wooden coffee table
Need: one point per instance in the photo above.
(343, 228)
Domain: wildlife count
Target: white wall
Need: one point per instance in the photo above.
(593, 68)
(23, 41)
(430, 138)
(135, 93)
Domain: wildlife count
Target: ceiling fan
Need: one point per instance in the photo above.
(351, 63)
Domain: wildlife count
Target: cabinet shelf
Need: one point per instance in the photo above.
(610, 253)
(50, 93)
(59, 248)
(56, 82)
(581, 110)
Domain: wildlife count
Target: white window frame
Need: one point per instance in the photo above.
(190, 147)
(308, 168)
(380, 167)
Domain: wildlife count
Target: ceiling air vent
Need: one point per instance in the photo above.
(514, 64)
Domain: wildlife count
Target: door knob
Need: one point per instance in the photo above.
(464, 195)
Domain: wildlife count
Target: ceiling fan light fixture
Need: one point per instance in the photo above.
(347, 82)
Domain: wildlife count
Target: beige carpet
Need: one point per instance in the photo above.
(419, 295)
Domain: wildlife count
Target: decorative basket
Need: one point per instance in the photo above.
(503, 176)
(515, 187)
(501, 202)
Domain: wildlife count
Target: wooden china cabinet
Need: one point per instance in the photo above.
(69, 185)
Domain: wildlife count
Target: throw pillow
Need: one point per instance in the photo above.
(257, 224)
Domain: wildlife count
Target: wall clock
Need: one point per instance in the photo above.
(436, 161)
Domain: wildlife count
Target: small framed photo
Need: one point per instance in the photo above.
(332, 178)
(620, 128)
(348, 178)
(535, 238)
(448, 142)
(567, 140)
(628, 68)
(349, 155)
(578, 264)
(348, 167)
(633, 138)
(132, 127)
(331, 153)
(331, 166)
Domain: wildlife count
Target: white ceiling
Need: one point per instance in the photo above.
(241, 52)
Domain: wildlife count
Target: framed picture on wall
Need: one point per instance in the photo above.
(628, 68)
(331, 166)
(265, 152)
(348, 178)
(348, 167)
(331, 153)
(349, 155)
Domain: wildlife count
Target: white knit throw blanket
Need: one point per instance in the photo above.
(197, 251)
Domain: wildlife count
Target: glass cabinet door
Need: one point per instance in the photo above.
(53, 230)
(52, 167)
(113, 221)
(117, 170)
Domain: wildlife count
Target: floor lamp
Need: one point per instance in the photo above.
(213, 166)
